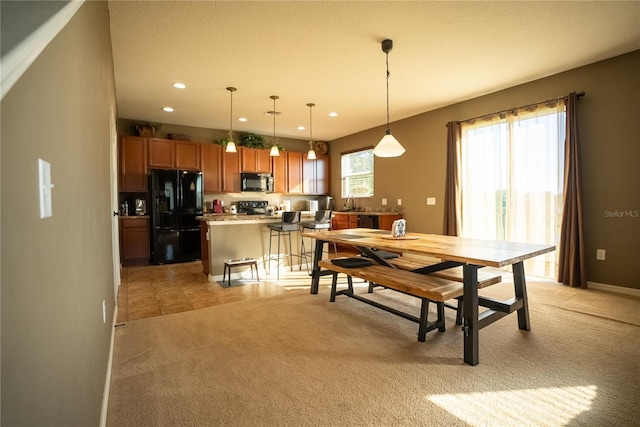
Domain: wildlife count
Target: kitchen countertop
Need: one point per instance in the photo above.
(367, 213)
(229, 219)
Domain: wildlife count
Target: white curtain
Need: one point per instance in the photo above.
(512, 179)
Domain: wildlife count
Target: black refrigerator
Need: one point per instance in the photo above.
(176, 201)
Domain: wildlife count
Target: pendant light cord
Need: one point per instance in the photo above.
(387, 60)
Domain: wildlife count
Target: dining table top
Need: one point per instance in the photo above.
(489, 253)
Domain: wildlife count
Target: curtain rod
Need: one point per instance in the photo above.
(579, 95)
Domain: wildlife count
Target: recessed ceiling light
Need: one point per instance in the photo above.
(301, 127)
(179, 85)
(242, 119)
(167, 109)
(333, 114)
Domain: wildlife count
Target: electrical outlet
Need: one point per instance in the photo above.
(384, 202)
(601, 254)
(399, 202)
(431, 201)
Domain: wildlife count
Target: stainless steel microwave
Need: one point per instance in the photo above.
(262, 182)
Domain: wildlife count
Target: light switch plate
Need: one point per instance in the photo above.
(45, 186)
(384, 202)
(431, 200)
(601, 254)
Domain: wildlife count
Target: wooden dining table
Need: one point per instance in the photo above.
(449, 251)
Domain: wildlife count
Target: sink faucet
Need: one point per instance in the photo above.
(352, 203)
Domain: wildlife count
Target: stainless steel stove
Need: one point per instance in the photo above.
(253, 207)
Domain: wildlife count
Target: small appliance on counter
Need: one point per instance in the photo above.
(233, 209)
(313, 205)
(141, 207)
(218, 206)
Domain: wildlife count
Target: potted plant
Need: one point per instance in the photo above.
(147, 129)
(251, 140)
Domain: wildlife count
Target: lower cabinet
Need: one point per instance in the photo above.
(134, 240)
(342, 221)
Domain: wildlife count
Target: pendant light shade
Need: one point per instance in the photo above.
(274, 148)
(311, 155)
(388, 145)
(231, 146)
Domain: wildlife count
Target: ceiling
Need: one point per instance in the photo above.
(329, 53)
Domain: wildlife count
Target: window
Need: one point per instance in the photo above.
(512, 180)
(357, 173)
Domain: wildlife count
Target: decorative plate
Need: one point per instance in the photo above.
(320, 147)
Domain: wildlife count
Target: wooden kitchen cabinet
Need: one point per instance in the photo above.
(132, 164)
(386, 221)
(187, 156)
(294, 176)
(231, 172)
(162, 153)
(170, 154)
(315, 175)
(279, 171)
(255, 160)
(343, 221)
(211, 157)
(134, 240)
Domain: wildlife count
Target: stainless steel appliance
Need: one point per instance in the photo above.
(255, 207)
(176, 201)
(141, 207)
(260, 182)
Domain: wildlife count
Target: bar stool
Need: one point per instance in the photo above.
(322, 221)
(290, 222)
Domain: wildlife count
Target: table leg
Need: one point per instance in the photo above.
(520, 286)
(315, 274)
(470, 312)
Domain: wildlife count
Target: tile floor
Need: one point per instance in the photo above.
(157, 290)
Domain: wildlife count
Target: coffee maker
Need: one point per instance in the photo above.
(328, 203)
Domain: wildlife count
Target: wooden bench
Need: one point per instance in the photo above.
(427, 288)
(486, 276)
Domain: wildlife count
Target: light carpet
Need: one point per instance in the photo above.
(298, 360)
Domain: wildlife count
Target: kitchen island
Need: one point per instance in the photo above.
(229, 236)
(235, 236)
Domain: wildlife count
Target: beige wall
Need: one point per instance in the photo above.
(56, 272)
(608, 121)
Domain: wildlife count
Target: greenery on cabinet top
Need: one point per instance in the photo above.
(250, 140)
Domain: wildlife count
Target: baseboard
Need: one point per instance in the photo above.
(615, 289)
(107, 382)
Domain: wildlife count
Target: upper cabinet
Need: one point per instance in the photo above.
(315, 175)
(211, 157)
(279, 171)
(162, 153)
(254, 160)
(169, 154)
(133, 164)
(294, 169)
(292, 172)
(188, 156)
(231, 172)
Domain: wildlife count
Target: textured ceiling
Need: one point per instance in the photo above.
(329, 53)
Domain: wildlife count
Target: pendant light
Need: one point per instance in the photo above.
(274, 148)
(231, 146)
(311, 155)
(388, 145)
